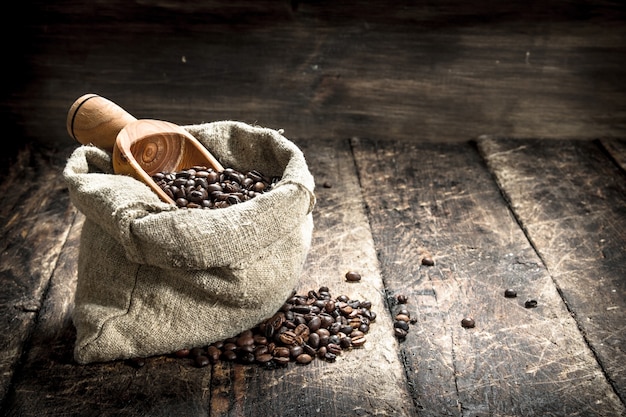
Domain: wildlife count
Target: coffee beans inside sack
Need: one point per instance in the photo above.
(154, 278)
(202, 187)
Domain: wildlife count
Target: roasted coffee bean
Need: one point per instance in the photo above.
(401, 324)
(281, 360)
(229, 355)
(182, 353)
(400, 333)
(401, 298)
(510, 293)
(357, 341)
(353, 276)
(468, 322)
(263, 357)
(295, 351)
(428, 261)
(202, 361)
(403, 317)
(345, 342)
(213, 353)
(530, 303)
(304, 358)
(196, 352)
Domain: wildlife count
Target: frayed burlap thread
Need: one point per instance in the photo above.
(153, 279)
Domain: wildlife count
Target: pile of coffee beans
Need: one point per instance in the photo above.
(202, 187)
(310, 326)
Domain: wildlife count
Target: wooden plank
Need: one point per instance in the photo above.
(571, 201)
(35, 217)
(455, 69)
(617, 149)
(440, 199)
(367, 381)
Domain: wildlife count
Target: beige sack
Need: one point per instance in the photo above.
(153, 278)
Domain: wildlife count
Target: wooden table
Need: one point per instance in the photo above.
(490, 140)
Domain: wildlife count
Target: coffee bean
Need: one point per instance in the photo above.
(510, 293)
(401, 324)
(353, 276)
(530, 303)
(400, 333)
(428, 261)
(468, 322)
(401, 298)
(182, 353)
(202, 361)
(304, 358)
(402, 317)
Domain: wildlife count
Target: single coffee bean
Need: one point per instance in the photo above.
(353, 276)
(402, 317)
(401, 325)
(196, 352)
(304, 358)
(229, 355)
(510, 293)
(468, 322)
(182, 353)
(400, 333)
(296, 351)
(263, 358)
(201, 361)
(530, 303)
(401, 298)
(428, 261)
(281, 360)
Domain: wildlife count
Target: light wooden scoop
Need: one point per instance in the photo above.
(141, 148)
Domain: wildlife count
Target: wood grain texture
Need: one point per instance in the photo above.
(35, 215)
(440, 199)
(617, 150)
(571, 201)
(446, 71)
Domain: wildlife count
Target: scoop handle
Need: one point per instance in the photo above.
(93, 119)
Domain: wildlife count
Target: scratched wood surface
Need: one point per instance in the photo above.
(449, 70)
(571, 201)
(516, 361)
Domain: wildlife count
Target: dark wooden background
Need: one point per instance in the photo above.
(421, 70)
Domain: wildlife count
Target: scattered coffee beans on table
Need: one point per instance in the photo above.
(402, 317)
(310, 326)
(202, 187)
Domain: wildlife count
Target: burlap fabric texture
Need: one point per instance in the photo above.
(153, 278)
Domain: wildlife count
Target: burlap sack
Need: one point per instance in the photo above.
(153, 279)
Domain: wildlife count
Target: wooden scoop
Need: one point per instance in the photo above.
(141, 148)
